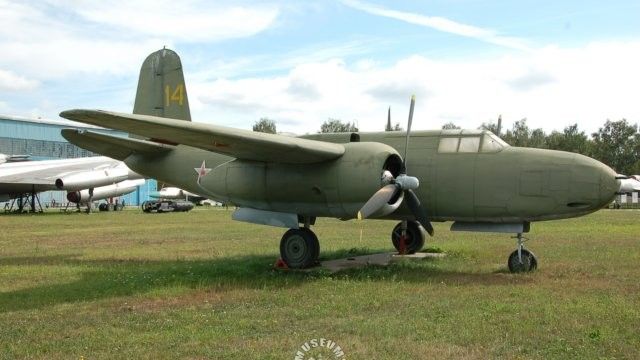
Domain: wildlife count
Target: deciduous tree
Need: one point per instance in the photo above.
(337, 126)
(265, 125)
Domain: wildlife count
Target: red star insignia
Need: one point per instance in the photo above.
(202, 171)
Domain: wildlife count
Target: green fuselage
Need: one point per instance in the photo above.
(506, 184)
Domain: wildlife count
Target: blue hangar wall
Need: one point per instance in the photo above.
(42, 140)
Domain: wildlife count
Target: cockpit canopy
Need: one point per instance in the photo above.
(459, 142)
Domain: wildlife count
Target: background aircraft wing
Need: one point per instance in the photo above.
(42, 175)
(242, 144)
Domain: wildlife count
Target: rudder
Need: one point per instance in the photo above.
(161, 87)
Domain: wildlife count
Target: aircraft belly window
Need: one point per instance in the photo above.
(448, 145)
(469, 144)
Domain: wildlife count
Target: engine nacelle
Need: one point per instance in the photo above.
(335, 188)
(95, 178)
(104, 192)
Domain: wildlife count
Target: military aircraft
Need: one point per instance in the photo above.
(85, 179)
(13, 158)
(174, 193)
(470, 177)
(86, 196)
(629, 184)
(171, 199)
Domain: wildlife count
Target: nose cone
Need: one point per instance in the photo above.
(594, 184)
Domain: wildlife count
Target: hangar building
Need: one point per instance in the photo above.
(42, 140)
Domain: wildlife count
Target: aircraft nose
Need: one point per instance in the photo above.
(609, 185)
(593, 183)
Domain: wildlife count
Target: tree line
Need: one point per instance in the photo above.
(616, 143)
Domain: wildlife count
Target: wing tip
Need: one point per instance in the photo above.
(69, 113)
(73, 114)
(78, 114)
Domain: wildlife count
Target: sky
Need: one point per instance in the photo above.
(299, 63)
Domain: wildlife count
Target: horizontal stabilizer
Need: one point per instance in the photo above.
(238, 143)
(114, 147)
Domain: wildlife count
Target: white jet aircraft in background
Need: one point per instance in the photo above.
(175, 193)
(84, 179)
(629, 184)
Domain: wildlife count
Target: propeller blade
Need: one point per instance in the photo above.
(406, 144)
(416, 208)
(388, 119)
(377, 201)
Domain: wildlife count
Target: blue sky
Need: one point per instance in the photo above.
(300, 62)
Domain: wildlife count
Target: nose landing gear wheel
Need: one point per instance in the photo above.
(528, 263)
(522, 260)
(299, 248)
(414, 240)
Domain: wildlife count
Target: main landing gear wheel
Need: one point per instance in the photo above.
(528, 263)
(522, 260)
(414, 240)
(299, 248)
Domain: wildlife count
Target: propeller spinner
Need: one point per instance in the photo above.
(403, 184)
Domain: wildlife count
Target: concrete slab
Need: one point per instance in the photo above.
(381, 259)
(333, 266)
(417, 256)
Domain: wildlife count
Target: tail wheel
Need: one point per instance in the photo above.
(414, 240)
(299, 248)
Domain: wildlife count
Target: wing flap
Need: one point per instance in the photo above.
(238, 143)
(112, 146)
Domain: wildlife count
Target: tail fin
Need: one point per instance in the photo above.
(161, 88)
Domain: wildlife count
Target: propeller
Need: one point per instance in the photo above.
(403, 184)
(388, 128)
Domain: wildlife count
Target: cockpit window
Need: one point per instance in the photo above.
(448, 145)
(488, 143)
(469, 144)
(491, 143)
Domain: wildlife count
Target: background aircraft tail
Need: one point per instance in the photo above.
(161, 88)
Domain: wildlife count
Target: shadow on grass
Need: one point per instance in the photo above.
(108, 278)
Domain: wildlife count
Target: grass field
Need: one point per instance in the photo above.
(129, 285)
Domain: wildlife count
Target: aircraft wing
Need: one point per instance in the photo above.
(238, 143)
(112, 146)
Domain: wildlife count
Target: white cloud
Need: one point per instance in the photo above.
(57, 38)
(552, 87)
(12, 82)
(284, 61)
(187, 20)
(441, 24)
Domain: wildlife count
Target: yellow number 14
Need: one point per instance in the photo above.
(176, 95)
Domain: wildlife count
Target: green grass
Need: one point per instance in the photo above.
(198, 285)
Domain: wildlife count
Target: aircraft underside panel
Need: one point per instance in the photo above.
(263, 217)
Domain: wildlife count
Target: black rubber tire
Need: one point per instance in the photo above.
(299, 248)
(529, 262)
(415, 237)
